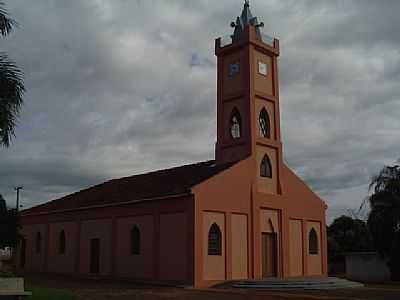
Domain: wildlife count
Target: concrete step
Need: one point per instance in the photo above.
(296, 284)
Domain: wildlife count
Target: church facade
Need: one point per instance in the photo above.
(244, 215)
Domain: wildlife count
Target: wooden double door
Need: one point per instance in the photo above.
(269, 252)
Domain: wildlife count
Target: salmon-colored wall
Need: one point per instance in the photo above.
(239, 247)
(139, 266)
(173, 246)
(265, 184)
(35, 262)
(269, 221)
(297, 201)
(96, 229)
(295, 248)
(235, 83)
(62, 263)
(213, 265)
(225, 194)
(314, 261)
(173, 242)
(263, 83)
(233, 89)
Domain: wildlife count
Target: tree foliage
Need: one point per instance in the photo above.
(346, 234)
(11, 85)
(9, 224)
(384, 217)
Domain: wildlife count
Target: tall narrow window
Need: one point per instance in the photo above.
(235, 124)
(61, 243)
(265, 167)
(23, 253)
(264, 124)
(38, 242)
(313, 242)
(135, 240)
(214, 240)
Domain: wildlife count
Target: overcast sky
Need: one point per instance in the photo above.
(116, 88)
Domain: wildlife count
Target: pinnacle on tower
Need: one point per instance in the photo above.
(246, 18)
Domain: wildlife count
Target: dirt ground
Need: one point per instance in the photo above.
(106, 290)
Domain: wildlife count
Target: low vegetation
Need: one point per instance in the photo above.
(6, 274)
(41, 293)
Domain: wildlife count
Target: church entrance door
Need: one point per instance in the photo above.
(94, 256)
(269, 247)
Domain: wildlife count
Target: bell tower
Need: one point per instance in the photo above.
(248, 122)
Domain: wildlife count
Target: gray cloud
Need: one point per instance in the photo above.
(115, 88)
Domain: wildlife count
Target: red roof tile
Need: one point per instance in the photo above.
(168, 182)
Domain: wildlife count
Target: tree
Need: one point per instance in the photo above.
(349, 235)
(384, 217)
(11, 85)
(346, 234)
(9, 224)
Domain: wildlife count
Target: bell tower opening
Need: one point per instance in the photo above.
(248, 122)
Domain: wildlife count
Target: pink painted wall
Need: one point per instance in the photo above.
(135, 266)
(62, 263)
(100, 229)
(167, 240)
(35, 262)
(239, 247)
(214, 265)
(173, 254)
(314, 261)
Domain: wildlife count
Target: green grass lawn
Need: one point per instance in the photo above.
(43, 293)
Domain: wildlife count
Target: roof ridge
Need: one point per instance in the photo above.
(165, 182)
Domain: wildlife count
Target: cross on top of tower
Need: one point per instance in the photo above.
(246, 18)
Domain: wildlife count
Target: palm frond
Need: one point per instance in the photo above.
(11, 92)
(6, 23)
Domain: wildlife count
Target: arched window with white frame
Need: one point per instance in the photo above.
(235, 125)
(264, 124)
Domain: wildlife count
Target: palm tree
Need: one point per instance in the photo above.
(384, 217)
(9, 224)
(11, 85)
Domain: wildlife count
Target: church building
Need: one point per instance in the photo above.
(244, 215)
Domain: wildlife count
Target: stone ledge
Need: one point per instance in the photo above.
(13, 287)
(15, 293)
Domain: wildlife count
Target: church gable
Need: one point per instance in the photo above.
(296, 189)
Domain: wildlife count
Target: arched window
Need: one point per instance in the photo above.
(265, 167)
(135, 240)
(61, 243)
(214, 240)
(235, 124)
(38, 242)
(313, 242)
(264, 123)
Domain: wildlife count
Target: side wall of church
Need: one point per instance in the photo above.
(35, 256)
(62, 262)
(166, 241)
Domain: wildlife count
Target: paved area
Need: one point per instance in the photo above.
(102, 290)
